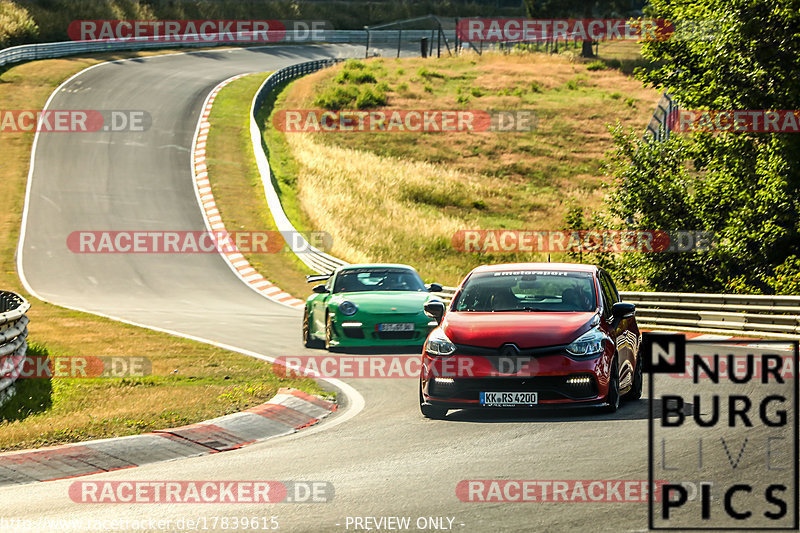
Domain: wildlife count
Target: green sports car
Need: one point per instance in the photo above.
(368, 305)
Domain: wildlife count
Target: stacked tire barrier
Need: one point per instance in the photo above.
(13, 340)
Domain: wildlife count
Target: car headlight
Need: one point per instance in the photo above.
(587, 345)
(439, 344)
(348, 308)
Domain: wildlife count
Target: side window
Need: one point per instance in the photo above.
(608, 293)
(614, 291)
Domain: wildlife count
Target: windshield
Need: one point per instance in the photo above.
(378, 279)
(528, 291)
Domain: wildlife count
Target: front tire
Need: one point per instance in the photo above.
(638, 378)
(612, 398)
(328, 331)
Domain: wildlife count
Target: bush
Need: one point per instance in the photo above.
(355, 76)
(476, 92)
(336, 98)
(354, 64)
(368, 98)
(428, 74)
(16, 24)
(787, 277)
(596, 65)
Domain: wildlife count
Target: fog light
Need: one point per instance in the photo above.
(352, 324)
(585, 380)
(444, 381)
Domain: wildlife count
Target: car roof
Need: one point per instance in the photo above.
(569, 267)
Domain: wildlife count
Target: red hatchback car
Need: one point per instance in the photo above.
(531, 335)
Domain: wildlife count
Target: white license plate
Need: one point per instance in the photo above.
(399, 326)
(509, 399)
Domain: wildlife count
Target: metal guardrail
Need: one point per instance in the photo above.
(13, 340)
(315, 259)
(770, 316)
(30, 52)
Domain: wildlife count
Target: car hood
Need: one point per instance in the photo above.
(384, 302)
(525, 329)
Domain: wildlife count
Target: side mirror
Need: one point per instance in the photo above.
(434, 287)
(622, 310)
(435, 309)
(320, 289)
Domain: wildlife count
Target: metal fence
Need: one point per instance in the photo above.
(658, 129)
(13, 340)
(30, 52)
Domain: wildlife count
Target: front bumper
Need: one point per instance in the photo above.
(363, 331)
(559, 381)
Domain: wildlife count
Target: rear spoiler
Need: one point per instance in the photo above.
(318, 277)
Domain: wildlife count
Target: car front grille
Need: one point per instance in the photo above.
(548, 387)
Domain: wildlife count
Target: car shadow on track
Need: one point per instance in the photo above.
(634, 410)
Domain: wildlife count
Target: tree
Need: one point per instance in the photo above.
(743, 186)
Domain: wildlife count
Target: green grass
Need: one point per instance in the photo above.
(237, 186)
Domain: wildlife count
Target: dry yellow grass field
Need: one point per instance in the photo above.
(401, 196)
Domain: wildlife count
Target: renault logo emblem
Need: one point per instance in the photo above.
(509, 350)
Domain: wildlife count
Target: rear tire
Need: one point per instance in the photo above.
(612, 398)
(308, 342)
(431, 411)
